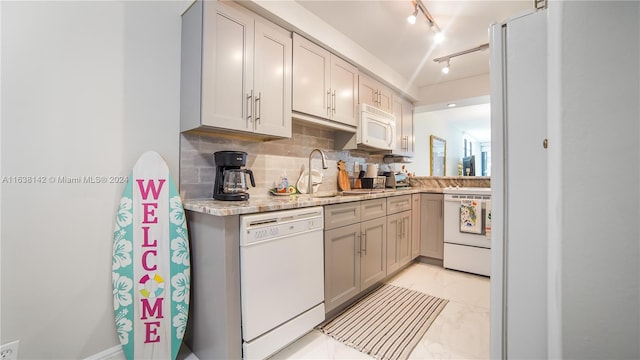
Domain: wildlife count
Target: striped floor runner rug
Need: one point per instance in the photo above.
(388, 323)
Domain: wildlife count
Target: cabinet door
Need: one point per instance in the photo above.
(371, 209)
(398, 240)
(367, 91)
(373, 264)
(404, 241)
(403, 110)
(397, 204)
(311, 77)
(415, 226)
(394, 227)
(432, 231)
(342, 214)
(385, 99)
(227, 67)
(344, 92)
(272, 80)
(408, 138)
(342, 263)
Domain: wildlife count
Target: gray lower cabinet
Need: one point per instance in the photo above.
(432, 225)
(355, 249)
(398, 240)
(341, 265)
(398, 232)
(415, 226)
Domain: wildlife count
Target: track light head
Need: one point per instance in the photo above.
(412, 18)
(445, 69)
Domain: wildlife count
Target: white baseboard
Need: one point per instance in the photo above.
(114, 353)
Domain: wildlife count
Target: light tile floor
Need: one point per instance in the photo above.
(461, 331)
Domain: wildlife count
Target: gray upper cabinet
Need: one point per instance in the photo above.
(236, 71)
(405, 139)
(373, 93)
(324, 85)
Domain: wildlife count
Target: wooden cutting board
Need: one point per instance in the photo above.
(343, 177)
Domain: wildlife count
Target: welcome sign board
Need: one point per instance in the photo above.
(151, 263)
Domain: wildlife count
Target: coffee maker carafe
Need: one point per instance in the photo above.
(230, 183)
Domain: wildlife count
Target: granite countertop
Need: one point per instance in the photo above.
(273, 203)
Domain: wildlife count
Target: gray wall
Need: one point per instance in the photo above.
(86, 88)
(594, 185)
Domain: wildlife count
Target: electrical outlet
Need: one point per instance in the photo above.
(9, 351)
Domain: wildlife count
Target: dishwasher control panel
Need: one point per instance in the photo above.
(266, 226)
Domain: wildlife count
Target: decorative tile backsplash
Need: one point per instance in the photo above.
(268, 160)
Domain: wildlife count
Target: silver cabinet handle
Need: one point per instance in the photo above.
(333, 100)
(328, 102)
(249, 105)
(363, 240)
(258, 110)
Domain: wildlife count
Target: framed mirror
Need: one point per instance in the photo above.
(438, 150)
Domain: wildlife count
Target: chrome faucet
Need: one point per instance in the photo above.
(324, 166)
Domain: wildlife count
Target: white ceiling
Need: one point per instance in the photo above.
(381, 28)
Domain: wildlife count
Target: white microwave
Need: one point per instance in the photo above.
(376, 128)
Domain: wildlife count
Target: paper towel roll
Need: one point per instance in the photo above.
(372, 170)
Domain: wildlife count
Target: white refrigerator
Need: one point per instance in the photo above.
(519, 187)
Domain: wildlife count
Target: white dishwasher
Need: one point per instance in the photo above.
(281, 278)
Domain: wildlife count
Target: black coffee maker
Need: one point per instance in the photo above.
(230, 183)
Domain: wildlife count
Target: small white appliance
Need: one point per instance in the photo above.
(281, 278)
(377, 128)
(465, 250)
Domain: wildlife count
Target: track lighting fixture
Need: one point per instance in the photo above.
(412, 18)
(418, 5)
(445, 70)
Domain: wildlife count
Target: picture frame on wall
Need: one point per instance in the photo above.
(438, 156)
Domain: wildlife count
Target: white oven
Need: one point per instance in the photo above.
(376, 128)
(467, 241)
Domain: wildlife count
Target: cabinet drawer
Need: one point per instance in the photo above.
(398, 203)
(341, 215)
(372, 209)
